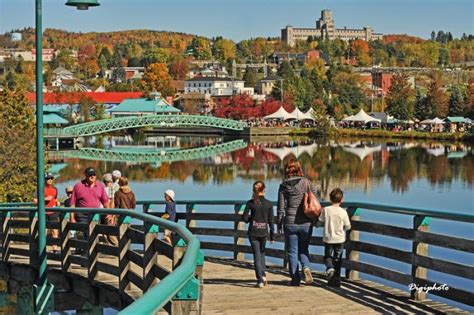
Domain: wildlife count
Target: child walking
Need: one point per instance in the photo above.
(259, 214)
(170, 213)
(335, 221)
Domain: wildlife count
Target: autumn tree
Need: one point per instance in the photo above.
(436, 99)
(201, 48)
(401, 97)
(179, 68)
(17, 147)
(224, 49)
(157, 78)
(239, 106)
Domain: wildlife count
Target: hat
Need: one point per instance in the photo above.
(90, 171)
(107, 177)
(48, 175)
(116, 174)
(69, 189)
(170, 194)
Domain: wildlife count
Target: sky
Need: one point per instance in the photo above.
(243, 19)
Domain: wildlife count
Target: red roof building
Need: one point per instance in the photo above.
(75, 97)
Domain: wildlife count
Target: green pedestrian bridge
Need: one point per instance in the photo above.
(162, 121)
(145, 275)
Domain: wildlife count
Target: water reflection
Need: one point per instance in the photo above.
(214, 160)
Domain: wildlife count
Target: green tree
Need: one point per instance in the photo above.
(250, 77)
(420, 110)
(86, 107)
(401, 97)
(102, 66)
(17, 147)
(456, 102)
(201, 48)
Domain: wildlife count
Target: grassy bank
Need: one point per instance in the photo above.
(377, 133)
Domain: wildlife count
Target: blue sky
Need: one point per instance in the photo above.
(241, 19)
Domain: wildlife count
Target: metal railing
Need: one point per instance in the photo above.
(186, 257)
(417, 233)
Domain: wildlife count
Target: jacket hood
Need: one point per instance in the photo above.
(125, 189)
(293, 183)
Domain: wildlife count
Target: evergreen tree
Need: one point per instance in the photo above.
(433, 35)
(420, 111)
(456, 102)
(102, 66)
(250, 77)
(400, 98)
(17, 147)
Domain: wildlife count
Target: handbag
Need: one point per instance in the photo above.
(311, 206)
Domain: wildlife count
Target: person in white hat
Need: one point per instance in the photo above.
(170, 212)
(115, 179)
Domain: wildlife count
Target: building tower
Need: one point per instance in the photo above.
(326, 25)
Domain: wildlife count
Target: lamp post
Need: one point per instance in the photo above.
(81, 5)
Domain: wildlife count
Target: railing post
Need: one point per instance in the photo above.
(146, 207)
(188, 299)
(5, 235)
(64, 239)
(239, 225)
(33, 233)
(200, 276)
(190, 208)
(150, 256)
(353, 235)
(93, 240)
(124, 246)
(420, 224)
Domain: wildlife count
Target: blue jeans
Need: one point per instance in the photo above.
(297, 239)
(258, 249)
(333, 257)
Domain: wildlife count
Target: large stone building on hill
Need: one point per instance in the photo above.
(326, 29)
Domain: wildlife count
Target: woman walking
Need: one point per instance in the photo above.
(291, 219)
(259, 214)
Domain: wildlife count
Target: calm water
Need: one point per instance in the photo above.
(430, 175)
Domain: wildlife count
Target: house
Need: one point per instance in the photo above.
(155, 104)
(219, 72)
(265, 85)
(216, 86)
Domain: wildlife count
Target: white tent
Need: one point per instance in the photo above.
(296, 151)
(361, 116)
(308, 114)
(281, 113)
(297, 114)
(434, 121)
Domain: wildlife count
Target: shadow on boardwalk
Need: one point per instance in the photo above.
(230, 289)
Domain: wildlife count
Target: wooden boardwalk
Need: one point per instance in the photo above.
(229, 288)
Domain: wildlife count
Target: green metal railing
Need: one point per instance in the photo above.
(156, 297)
(114, 124)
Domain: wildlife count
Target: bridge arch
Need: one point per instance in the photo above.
(114, 124)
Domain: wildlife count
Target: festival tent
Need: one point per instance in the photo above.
(436, 151)
(281, 113)
(362, 116)
(297, 114)
(308, 115)
(434, 121)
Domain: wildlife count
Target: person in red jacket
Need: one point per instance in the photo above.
(51, 200)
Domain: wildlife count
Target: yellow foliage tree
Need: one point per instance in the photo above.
(157, 78)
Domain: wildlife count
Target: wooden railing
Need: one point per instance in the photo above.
(215, 214)
(133, 265)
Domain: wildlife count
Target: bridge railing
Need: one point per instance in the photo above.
(165, 281)
(395, 249)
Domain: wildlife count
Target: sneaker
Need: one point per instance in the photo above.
(337, 282)
(264, 281)
(260, 285)
(330, 273)
(308, 277)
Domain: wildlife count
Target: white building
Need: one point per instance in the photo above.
(216, 86)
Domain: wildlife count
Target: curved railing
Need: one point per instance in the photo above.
(412, 231)
(121, 123)
(19, 241)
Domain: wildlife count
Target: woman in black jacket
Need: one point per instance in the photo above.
(259, 214)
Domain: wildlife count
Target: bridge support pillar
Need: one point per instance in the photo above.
(186, 301)
(150, 256)
(124, 246)
(239, 227)
(420, 224)
(352, 255)
(92, 271)
(64, 239)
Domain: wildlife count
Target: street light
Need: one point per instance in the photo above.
(42, 283)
